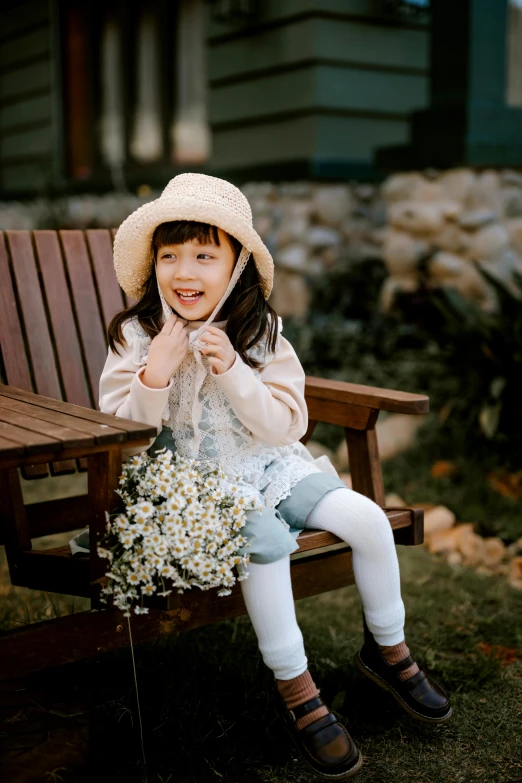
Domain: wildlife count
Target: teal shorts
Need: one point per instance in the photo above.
(268, 537)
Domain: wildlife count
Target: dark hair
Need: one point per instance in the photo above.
(250, 317)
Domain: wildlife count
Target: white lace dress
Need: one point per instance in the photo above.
(263, 472)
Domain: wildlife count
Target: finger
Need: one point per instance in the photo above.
(214, 350)
(216, 363)
(169, 324)
(210, 338)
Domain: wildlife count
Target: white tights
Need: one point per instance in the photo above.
(268, 590)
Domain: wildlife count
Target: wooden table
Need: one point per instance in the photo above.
(36, 430)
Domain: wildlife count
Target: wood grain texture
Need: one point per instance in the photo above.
(369, 396)
(13, 522)
(365, 464)
(62, 318)
(86, 307)
(104, 470)
(130, 429)
(109, 292)
(11, 340)
(343, 414)
(35, 320)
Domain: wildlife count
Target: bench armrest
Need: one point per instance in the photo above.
(366, 396)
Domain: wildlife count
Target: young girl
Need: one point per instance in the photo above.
(201, 356)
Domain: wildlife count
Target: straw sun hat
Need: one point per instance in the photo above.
(188, 197)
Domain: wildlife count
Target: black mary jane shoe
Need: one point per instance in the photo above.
(420, 696)
(325, 744)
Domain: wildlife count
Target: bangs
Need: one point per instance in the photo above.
(177, 232)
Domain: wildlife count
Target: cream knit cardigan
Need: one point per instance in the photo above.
(249, 420)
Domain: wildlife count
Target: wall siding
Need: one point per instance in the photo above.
(315, 80)
(27, 133)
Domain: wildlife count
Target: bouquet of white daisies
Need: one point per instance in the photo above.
(179, 527)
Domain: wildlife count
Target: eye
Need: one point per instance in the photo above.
(167, 256)
(205, 256)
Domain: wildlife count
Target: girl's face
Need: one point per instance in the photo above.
(194, 277)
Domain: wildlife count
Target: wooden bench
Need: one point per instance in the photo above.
(58, 294)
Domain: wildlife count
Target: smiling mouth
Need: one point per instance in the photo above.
(189, 297)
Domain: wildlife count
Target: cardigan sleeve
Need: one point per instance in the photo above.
(272, 403)
(123, 394)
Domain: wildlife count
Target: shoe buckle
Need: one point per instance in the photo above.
(292, 713)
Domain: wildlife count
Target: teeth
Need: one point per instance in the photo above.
(188, 293)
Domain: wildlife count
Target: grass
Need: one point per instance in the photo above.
(207, 704)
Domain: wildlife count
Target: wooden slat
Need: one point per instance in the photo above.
(86, 306)
(86, 634)
(104, 470)
(11, 340)
(109, 292)
(69, 438)
(369, 396)
(12, 343)
(355, 417)
(32, 442)
(365, 465)
(9, 448)
(62, 318)
(88, 431)
(31, 303)
(13, 521)
(58, 516)
(134, 430)
(49, 456)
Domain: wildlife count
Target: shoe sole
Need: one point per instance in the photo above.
(341, 776)
(378, 680)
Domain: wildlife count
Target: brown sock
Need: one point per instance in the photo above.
(296, 692)
(396, 654)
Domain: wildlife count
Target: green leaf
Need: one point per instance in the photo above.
(488, 419)
(497, 386)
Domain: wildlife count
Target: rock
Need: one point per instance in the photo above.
(394, 501)
(428, 191)
(322, 236)
(473, 550)
(515, 548)
(401, 187)
(391, 286)
(485, 192)
(443, 541)
(364, 192)
(511, 202)
(454, 558)
(395, 434)
(451, 238)
(263, 225)
(515, 573)
(438, 519)
(457, 184)
(514, 229)
(294, 257)
(495, 552)
(291, 295)
(488, 241)
(444, 266)
(401, 252)
(476, 218)
(502, 265)
(332, 204)
(510, 177)
(422, 218)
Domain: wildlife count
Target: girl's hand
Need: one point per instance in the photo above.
(167, 351)
(219, 350)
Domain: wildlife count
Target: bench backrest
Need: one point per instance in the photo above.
(58, 294)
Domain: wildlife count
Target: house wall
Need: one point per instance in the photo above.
(28, 121)
(312, 87)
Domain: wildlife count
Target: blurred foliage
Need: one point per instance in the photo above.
(435, 342)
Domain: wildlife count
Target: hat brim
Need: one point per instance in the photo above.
(133, 241)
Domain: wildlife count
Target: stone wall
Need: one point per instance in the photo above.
(429, 226)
